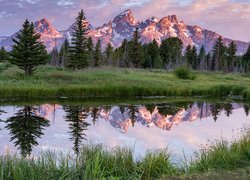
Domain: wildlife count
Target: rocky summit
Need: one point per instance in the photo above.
(122, 27)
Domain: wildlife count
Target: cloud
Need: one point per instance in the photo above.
(231, 18)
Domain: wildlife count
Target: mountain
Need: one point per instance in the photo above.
(122, 27)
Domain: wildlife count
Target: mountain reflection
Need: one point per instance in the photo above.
(25, 128)
(28, 123)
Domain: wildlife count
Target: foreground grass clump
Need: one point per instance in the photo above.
(96, 162)
(49, 82)
(222, 156)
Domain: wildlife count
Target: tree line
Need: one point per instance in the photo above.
(81, 52)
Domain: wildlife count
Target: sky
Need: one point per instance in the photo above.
(230, 18)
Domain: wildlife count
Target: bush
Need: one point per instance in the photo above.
(184, 73)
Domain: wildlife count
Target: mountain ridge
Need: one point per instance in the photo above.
(122, 27)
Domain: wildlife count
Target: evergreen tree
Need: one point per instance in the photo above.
(231, 55)
(90, 50)
(97, 55)
(154, 55)
(78, 55)
(194, 58)
(246, 60)
(202, 58)
(28, 51)
(108, 54)
(54, 57)
(135, 50)
(218, 60)
(3, 55)
(170, 51)
(188, 55)
(64, 54)
(25, 128)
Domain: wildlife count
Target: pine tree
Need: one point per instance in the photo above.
(90, 50)
(3, 55)
(188, 55)
(154, 55)
(64, 54)
(202, 58)
(194, 58)
(246, 60)
(97, 54)
(231, 56)
(28, 51)
(54, 57)
(78, 55)
(218, 60)
(135, 50)
(170, 51)
(108, 54)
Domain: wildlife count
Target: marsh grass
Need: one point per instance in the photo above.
(220, 159)
(49, 82)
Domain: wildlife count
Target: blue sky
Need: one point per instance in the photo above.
(231, 18)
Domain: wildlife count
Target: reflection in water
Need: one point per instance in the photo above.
(28, 124)
(76, 116)
(25, 128)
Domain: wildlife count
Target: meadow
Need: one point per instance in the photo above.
(50, 82)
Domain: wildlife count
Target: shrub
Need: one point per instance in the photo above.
(184, 73)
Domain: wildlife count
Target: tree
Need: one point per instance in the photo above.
(231, 55)
(54, 57)
(64, 54)
(78, 55)
(246, 60)
(218, 60)
(194, 58)
(153, 55)
(28, 51)
(90, 50)
(108, 54)
(202, 58)
(3, 55)
(25, 128)
(135, 50)
(97, 54)
(170, 51)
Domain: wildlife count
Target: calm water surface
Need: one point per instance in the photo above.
(182, 126)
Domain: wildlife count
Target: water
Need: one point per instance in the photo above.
(181, 126)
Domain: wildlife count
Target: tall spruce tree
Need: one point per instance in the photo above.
(64, 54)
(202, 58)
(246, 60)
(231, 56)
(108, 54)
(135, 50)
(194, 58)
(97, 53)
(218, 60)
(170, 51)
(90, 50)
(3, 55)
(54, 57)
(78, 55)
(28, 51)
(154, 55)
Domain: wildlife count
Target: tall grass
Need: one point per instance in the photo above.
(97, 162)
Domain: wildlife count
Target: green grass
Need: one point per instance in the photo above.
(49, 82)
(220, 160)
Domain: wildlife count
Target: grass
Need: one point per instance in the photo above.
(220, 160)
(49, 82)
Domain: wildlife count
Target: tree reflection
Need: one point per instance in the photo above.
(228, 107)
(25, 128)
(246, 108)
(215, 110)
(133, 113)
(95, 113)
(76, 116)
